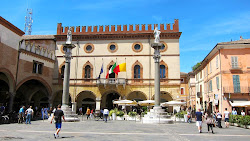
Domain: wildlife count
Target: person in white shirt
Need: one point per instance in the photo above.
(243, 113)
(29, 113)
(226, 116)
(105, 113)
(234, 112)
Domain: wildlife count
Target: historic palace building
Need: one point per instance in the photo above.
(32, 66)
(223, 79)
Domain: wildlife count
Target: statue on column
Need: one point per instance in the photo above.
(69, 37)
(157, 35)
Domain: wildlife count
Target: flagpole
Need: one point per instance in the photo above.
(103, 68)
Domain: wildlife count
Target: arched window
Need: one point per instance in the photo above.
(62, 71)
(162, 71)
(137, 71)
(87, 71)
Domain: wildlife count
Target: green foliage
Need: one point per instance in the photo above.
(113, 111)
(239, 119)
(196, 66)
(120, 113)
(181, 114)
(145, 108)
(144, 113)
(132, 114)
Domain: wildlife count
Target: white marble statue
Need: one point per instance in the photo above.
(69, 37)
(157, 35)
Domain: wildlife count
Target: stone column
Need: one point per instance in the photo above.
(157, 57)
(11, 95)
(65, 96)
(98, 104)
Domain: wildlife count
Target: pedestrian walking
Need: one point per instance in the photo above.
(210, 122)
(189, 116)
(243, 113)
(88, 113)
(91, 114)
(219, 116)
(234, 112)
(30, 114)
(198, 118)
(21, 115)
(105, 113)
(226, 116)
(58, 115)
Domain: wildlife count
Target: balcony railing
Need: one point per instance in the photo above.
(235, 66)
(232, 89)
(111, 81)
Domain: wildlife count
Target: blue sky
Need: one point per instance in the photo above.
(203, 23)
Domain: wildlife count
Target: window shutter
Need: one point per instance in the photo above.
(217, 82)
(234, 61)
(236, 83)
(217, 63)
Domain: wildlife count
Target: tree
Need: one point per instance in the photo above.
(196, 66)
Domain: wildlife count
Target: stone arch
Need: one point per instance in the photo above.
(11, 79)
(47, 86)
(91, 69)
(166, 68)
(60, 70)
(164, 96)
(108, 97)
(137, 95)
(86, 99)
(141, 71)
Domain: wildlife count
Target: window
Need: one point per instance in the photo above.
(217, 82)
(182, 80)
(137, 71)
(196, 77)
(37, 67)
(207, 69)
(137, 47)
(200, 89)
(112, 47)
(162, 71)
(87, 71)
(234, 60)
(236, 83)
(62, 71)
(200, 74)
(210, 86)
(88, 48)
(182, 91)
(163, 47)
(217, 62)
(210, 64)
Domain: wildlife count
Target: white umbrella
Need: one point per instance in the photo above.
(146, 103)
(125, 102)
(172, 103)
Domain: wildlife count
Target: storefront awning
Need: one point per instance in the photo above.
(240, 103)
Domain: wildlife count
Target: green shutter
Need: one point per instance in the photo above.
(217, 82)
(236, 83)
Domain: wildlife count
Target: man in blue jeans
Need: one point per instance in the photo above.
(29, 113)
(106, 114)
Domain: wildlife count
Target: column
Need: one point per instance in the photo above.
(11, 95)
(98, 104)
(157, 57)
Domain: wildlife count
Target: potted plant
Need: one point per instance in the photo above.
(120, 115)
(180, 116)
(113, 113)
(132, 115)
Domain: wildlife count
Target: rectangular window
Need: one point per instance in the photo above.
(236, 83)
(210, 86)
(200, 74)
(210, 64)
(182, 91)
(37, 67)
(234, 61)
(217, 62)
(200, 89)
(207, 69)
(217, 82)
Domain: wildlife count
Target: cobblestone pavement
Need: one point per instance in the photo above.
(118, 130)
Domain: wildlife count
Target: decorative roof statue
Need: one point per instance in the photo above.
(157, 35)
(69, 37)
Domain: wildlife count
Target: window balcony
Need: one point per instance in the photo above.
(111, 81)
(235, 67)
(232, 89)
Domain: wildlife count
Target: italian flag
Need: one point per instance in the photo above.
(119, 68)
(111, 70)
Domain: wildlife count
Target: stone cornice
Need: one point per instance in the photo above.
(120, 36)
